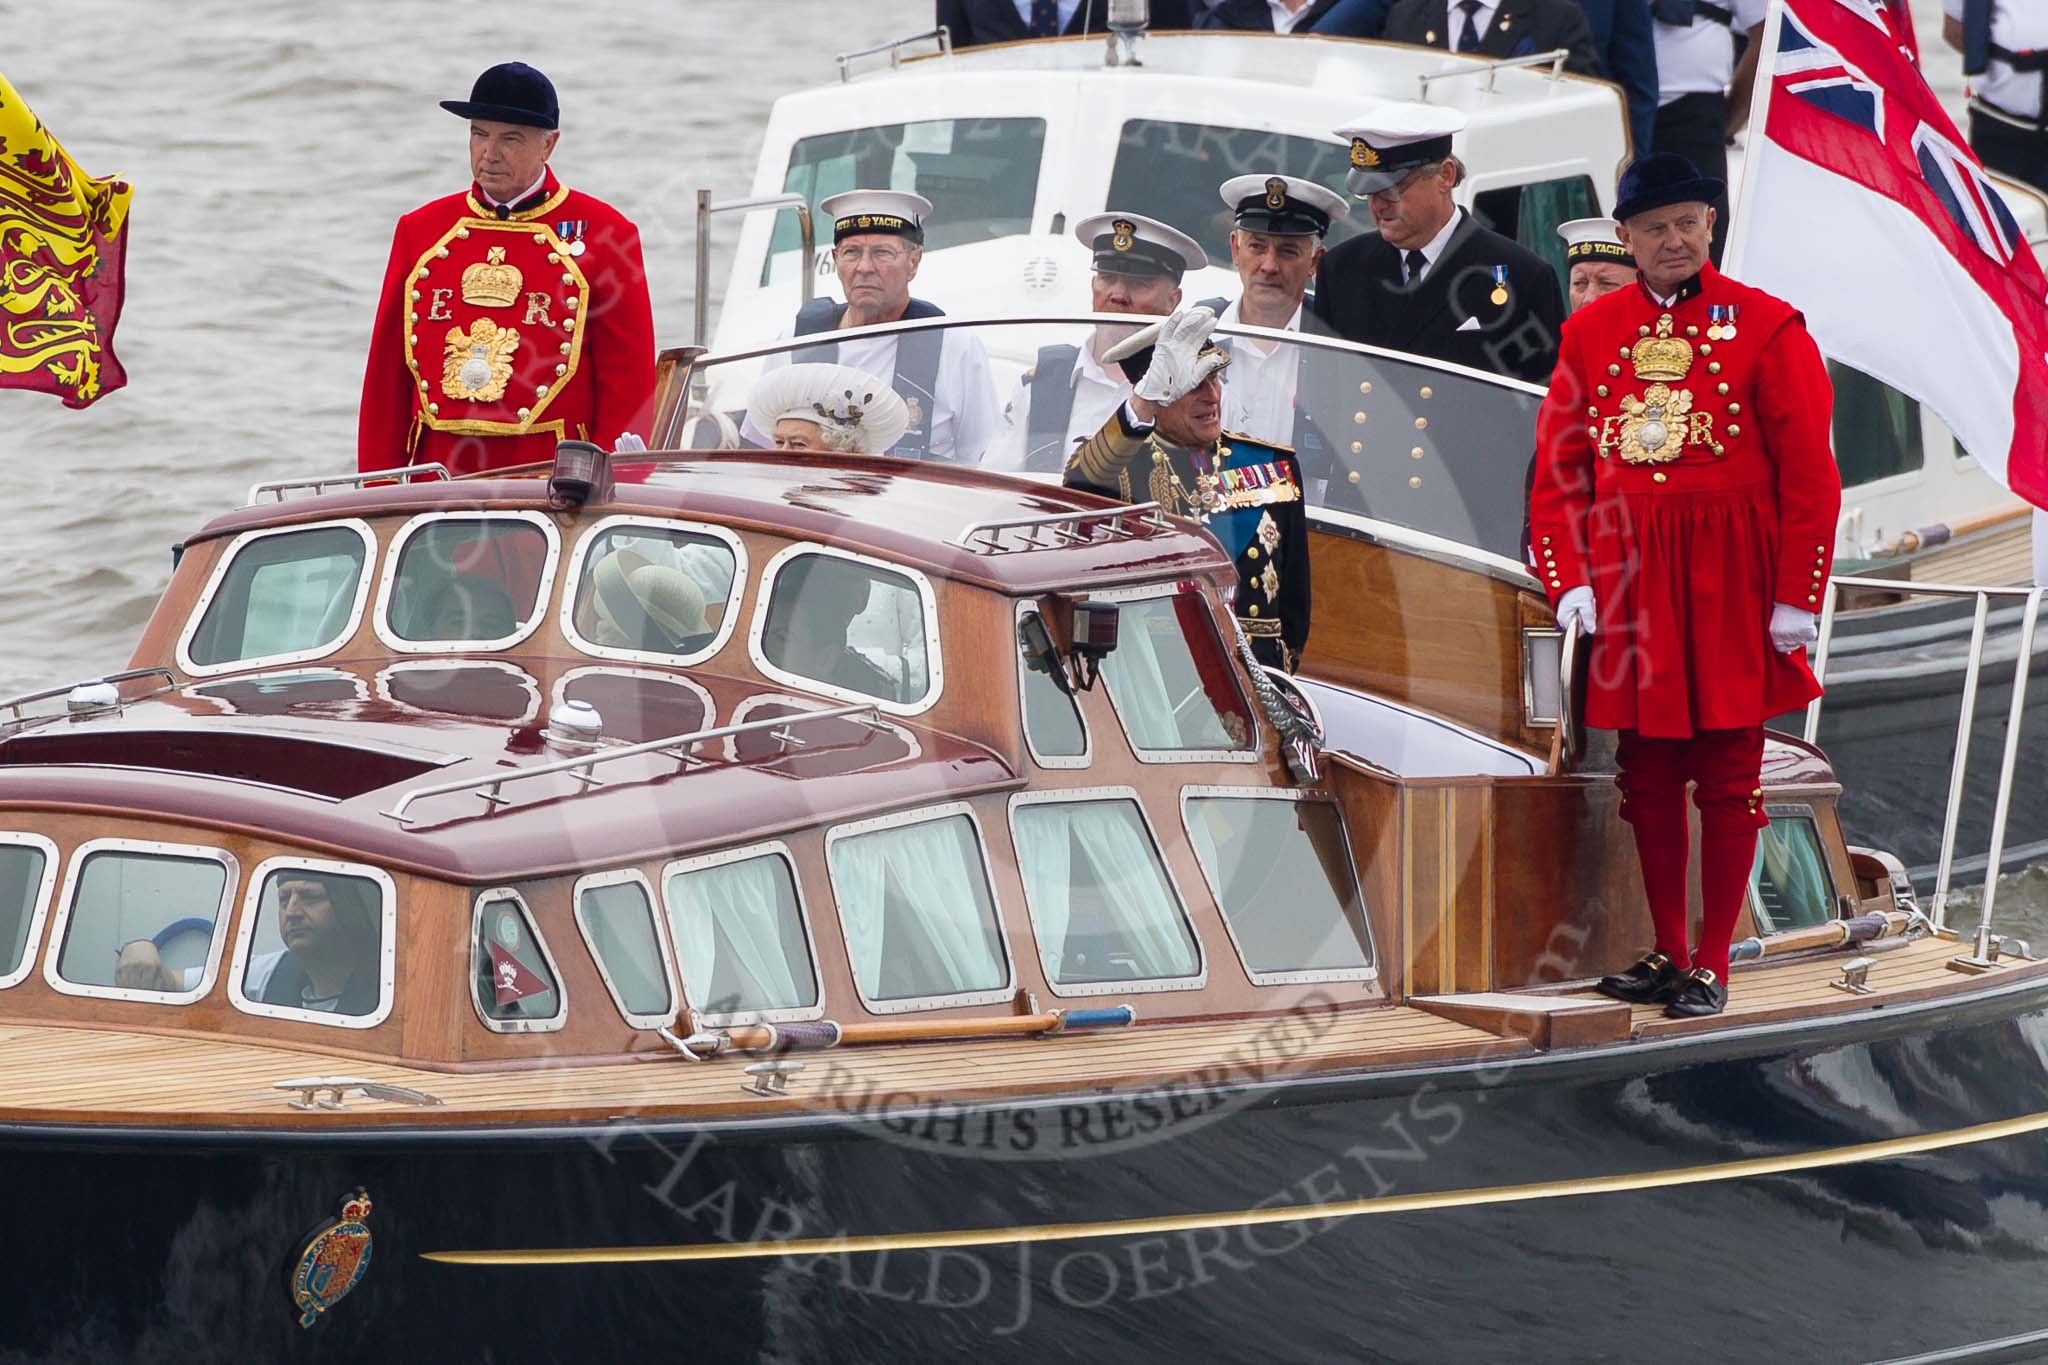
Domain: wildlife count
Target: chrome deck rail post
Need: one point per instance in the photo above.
(1054, 529)
(2015, 715)
(1959, 768)
(1820, 662)
(1554, 59)
(321, 483)
(700, 305)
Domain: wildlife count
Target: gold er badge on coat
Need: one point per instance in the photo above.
(477, 363)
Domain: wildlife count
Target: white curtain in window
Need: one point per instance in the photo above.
(745, 900)
(1139, 683)
(1045, 859)
(1117, 855)
(932, 868)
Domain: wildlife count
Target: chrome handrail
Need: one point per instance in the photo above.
(894, 47)
(1972, 675)
(701, 303)
(404, 473)
(490, 784)
(15, 704)
(1063, 528)
(1554, 59)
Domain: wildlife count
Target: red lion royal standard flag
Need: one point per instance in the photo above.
(62, 238)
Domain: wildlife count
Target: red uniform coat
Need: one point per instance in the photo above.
(1689, 482)
(496, 338)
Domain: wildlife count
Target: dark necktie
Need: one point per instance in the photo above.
(1976, 37)
(1416, 263)
(1675, 12)
(1468, 39)
(1045, 18)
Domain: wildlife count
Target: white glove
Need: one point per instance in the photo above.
(1178, 366)
(628, 444)
(1791, 628)
(1576, 605)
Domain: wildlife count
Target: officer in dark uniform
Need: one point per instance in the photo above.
(1166, 444)
(1434, 282)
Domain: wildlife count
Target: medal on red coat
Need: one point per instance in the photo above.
(1728, 327)
(1500, 285)
(1713, 322)
(570, 230)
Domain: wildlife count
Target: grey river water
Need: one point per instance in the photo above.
(272, 147)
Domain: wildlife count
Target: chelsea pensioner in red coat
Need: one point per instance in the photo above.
(1684, 514)
(513, 315)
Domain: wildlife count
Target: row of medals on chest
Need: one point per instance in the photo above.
(1209, 499)
(1654, 427)
(477, 360)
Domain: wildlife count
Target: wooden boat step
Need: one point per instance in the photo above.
(1546, 1021)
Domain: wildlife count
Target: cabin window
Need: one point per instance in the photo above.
(469, 582)
(1877, 428)
(919, 916)
(1105, 911)
(282, 596)
(1171, 681)
(741, 936)
(1530, 214)
(1789, 882)
(316, 944)
(1170, 171)
(850, 627)
(1282, 875)
(1053, 728)
(28, 868)
(980, 174)
(615, 913)
(513, 982)
(142, 921)
(659, 593)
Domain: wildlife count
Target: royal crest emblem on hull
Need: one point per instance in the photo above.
(334, 1260)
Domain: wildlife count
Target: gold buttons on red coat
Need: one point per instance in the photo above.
(1733, 431)
(1713, 366)
(1601, 390)
(1734, 408)
(1613, 370)
(1721, 387)
(1660, 477)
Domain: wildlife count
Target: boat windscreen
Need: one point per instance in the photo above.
(1442, 451)
(980, 174)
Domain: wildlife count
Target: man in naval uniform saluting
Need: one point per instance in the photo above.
(1276, 245)
(1434, 282)
(941, 375)
(1069, 391)
(1166, 444)
(513, 315)
(1684, 518)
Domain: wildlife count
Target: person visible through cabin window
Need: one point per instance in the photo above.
(653, 592)
(830, 619)
(326, 928)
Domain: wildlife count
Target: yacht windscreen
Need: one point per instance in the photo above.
(283, 596)
(981, 175)
(1170, 171)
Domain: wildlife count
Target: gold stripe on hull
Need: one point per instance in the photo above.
(1749, 1168)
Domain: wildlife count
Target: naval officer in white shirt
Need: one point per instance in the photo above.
(1275, 247)
(941, 374)
(1702, 91)
(1068, 393)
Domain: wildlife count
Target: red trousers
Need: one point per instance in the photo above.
(1726, 766)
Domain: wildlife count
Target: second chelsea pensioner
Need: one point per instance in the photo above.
(1684, 516)
(514, 314)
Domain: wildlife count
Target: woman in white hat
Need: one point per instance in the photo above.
(832, 408)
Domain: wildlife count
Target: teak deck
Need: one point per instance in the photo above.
(69, 1074)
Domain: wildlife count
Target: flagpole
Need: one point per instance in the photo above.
(1759, 107)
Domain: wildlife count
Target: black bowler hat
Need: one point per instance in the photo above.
(511, 92)
(1660, 181)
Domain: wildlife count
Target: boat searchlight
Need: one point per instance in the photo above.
(1127, 19)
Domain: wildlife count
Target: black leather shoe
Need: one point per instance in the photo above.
(1651, 981)
(1700, 994)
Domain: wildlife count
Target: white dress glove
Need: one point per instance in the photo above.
(628, 444)
(1178, 365)
(1792, 628)
(1576, 605)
